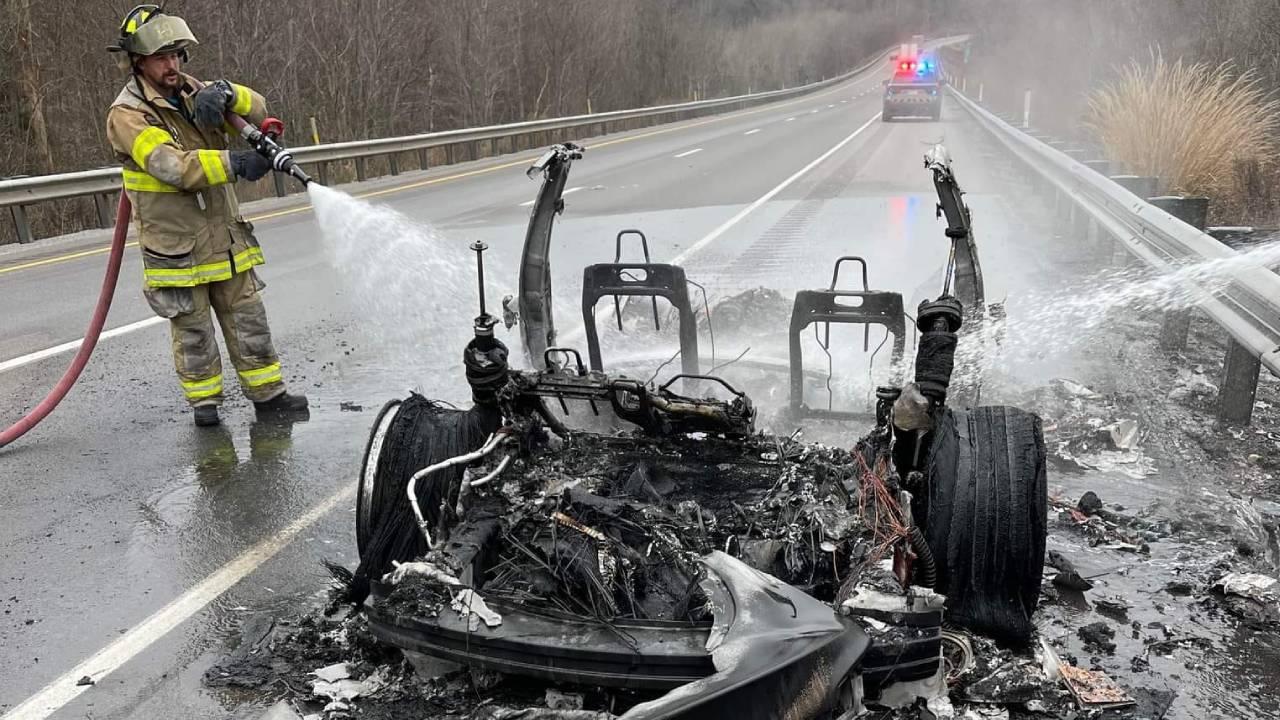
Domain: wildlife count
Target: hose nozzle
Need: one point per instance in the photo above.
(267, 146)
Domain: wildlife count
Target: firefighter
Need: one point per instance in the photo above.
(198, 252)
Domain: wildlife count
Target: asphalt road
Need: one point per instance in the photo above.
(128, 530)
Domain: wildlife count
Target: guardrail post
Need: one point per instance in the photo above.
(322, 170)
(1102, 167)
(362, 169)
(964, 85)
(1026, 109)
(277, 179)
(393, 163)
(424, 158)
(1092, 231)
(1060, 207)
(451, 154)
(1072, 213)
(1240, 371)
(20, 223)
(1144, 186)
(102, 205)
(981, 87)
(1193, 211)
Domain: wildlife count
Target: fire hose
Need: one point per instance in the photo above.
(265, 141)
(63, 386)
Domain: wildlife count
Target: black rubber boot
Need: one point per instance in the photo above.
(284, 405)
(206, 416)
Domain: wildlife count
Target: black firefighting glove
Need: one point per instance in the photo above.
(249, 165)
(212, 103)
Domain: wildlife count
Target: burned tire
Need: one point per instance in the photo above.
(368, 491)
(407, 436)
(984, 517)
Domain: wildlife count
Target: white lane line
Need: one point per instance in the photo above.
(831, 105)
(39, 355)
(813, 111)
(577, 332)
(727, 224)
(687, 153)
(58, 693)
(789, 119)
(570, 191)
(751, 132)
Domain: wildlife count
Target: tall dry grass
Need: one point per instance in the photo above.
(1194, 126)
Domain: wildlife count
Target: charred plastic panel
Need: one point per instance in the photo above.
(559, 647)
(778, 652)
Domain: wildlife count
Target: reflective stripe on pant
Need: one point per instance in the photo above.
(243, 318)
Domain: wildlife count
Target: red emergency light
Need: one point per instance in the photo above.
(907, 65)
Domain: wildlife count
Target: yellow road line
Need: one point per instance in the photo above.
(450, 178)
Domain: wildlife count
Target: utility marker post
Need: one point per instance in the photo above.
(1026, 109)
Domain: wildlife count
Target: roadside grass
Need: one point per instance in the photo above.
(1201, 129)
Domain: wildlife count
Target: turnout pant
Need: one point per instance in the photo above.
(238, 306)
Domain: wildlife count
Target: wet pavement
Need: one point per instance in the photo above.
(116, 506)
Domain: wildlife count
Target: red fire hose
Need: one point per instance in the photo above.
(69, 378)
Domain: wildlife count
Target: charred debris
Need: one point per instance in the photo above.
(644, 549)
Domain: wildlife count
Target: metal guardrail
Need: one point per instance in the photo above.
(19, 192)
(1248, 308)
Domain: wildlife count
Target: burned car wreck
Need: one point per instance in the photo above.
(578, 526)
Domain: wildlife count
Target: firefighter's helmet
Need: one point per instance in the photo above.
(147, 30)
